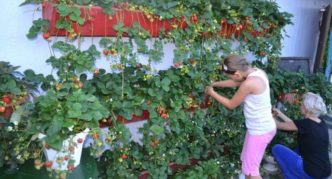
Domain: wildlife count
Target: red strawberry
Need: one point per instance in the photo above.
(96, 71)
(66, 158)
(46, 146)
(106, 52)
(80, 140)
(223, 20)
(2, 109)
(262, 54)
(6, 99)
(46, 35)
(194, 18)
(165, 116)
(70, 167)
(178, 64)
(239, 27)
(138, 66)
(48, 164)
(124, 156)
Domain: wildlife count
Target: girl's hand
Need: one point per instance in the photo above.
(276, 112)
(209, 90)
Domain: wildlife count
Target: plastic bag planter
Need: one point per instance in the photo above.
(69, 156)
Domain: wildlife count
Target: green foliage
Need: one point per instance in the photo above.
(15, 90)
(205, 170)
(60, 114)
(73, 61)
(15, 139)
(180, 127)
(40, 25)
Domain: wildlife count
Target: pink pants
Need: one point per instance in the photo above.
(253, 152)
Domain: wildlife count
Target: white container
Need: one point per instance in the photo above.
(61, 158)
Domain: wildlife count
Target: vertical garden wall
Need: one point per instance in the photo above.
(182, 125)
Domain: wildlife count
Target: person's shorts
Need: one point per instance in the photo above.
(253, 152)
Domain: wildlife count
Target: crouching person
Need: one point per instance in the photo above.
(312, 159)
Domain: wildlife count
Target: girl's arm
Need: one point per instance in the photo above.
(245, 89)
(226, 83)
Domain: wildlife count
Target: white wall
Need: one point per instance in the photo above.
(304, 34)
(15, 22)
(16, 48)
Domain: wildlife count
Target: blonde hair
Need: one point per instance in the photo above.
(236, 63)
(314, 103)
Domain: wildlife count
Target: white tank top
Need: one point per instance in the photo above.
(257, 109)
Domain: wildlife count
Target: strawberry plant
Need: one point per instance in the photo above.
(65, 109)
(16, 90)
(183, 124)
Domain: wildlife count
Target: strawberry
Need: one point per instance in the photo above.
(63, 176)
(71, 149)
(154, 143)
(113, 52)
(192, 61)
(46, 146)
(38, 164)
(80, 140)
(46, 35)
(262, 54)
(95, 136)
(239, 27)
(70, 167)
(2, 109)
(124, 156)
(165, 116)
(48, 164)
(138, 66)
(96, 72)
(178, 64)
(66, 158)
(6, 99)
(80, 85)
(194, 18)
(106, 52)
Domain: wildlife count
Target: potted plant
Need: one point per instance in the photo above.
(65, 114)
(16, 90)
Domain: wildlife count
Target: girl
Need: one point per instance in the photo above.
(254, 92)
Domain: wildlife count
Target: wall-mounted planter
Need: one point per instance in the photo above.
(101, 24)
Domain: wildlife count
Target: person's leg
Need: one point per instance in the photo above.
(253, 177)
(253, 152)
(289, 162)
